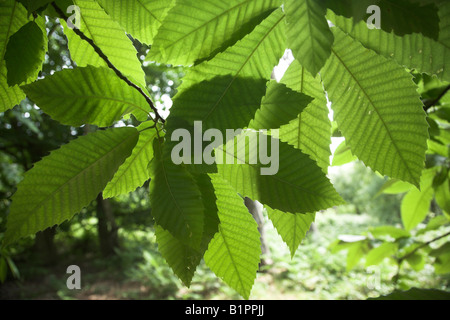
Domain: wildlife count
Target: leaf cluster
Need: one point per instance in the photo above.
(229, 50)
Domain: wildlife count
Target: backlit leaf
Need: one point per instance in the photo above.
(367, 106)
(234, 252)
(67, 180)
(193, 30)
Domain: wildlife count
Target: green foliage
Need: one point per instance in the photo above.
(108, 35)
(343, 155)
(25, 53)
(291, 227)
(310, 131)
(289, 190)
(181, 257)
(278, 107)
(232, 255)
(193, 31)
(360, 188)
(228, 50)
(354, 78)
(175, 191)
(413, 243)
(133, 172)
(308, 33)
(87, 163)
(412, 50)
(416, 202)
(34, 5)
(416, 294)
(86, 96)
(16, 17)
(150, 14)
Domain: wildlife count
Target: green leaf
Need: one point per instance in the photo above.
(254, 56)
(369, 94)
(279, 106)
(299, 185)
(309, 36)
(356, 251)
(194, 30)
(346, 242)
(442, 194)
(62, 4)
(394, 186)
(444, 22)
(109, 36)
(378, 254)
(133, 173)
(33, 5)
(407, 17)
(67, 180)
(176, 198)
(413, 51)
(343, 155)
(292, 227)
(416, 294)
(182, 258)
(232, 84)
(311, 131)
(401, 17)
(416, 203)
(391, 231)
(86, 96)
(25, 54)
(234, 252)
(14, 16)
(416, 261)
(442, 262)
(140, 18)
(441, 177)
(433, 224)
(221, 103)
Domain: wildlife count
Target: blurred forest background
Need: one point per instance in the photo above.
(113, 240)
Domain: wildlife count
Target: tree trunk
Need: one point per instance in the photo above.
(107, 228)
(256, 209)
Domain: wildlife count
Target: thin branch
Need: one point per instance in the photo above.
(401, 259)
(110, 65)
(432, 103)
(423, 245)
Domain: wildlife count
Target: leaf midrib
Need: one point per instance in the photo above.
(204, 25)
(8, 32)
(240, 69)
(149, 11)
(423, 195)
(163, 169)
(231, 258)
(150, 140)
(253, 166)
(100, 98)
(377, 112)
(56, 191)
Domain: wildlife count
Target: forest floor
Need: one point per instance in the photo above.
(138, 272)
